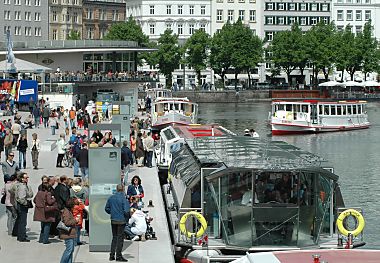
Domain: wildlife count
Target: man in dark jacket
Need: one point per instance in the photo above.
(45, 116)
(82, 158)
(126, 155)
(62, 192)
(118, 207)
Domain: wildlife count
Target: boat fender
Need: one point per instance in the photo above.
(201, 220)
(360, 222)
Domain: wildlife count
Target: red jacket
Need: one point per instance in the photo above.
(78, 213)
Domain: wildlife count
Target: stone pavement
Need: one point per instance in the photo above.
(149, 251)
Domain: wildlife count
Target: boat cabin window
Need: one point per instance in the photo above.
(344, 111)
(288, 107)
(280, 107)
(298, 108)
(359, 109)
(326, 109)
(354, 111)
(305, 108)
(333, 109)
(338, 110)
(349, 109)
(320, 110)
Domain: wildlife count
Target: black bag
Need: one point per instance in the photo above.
(34, 148)
(3, 200)
(29, 204)
(57, 126)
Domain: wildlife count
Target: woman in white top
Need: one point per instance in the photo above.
(16, 129)
(53, 121)
(61, 146)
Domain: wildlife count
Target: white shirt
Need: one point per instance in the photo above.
(138, 218)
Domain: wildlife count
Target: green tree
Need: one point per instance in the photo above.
(129, 30)
(246, 49)
(301, 56)
(340, 55)
(74, 35)
(168, 55)
(220, 59)
(352, 51)
(369, 50)
(196, 48)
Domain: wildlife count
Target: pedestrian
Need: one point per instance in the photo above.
(139, 150)
(133, 148)
(117, 207)
(22, 146)
(16, 129)
(23, 194)
(8, 140)
(136, 226)
(149, 147)
(126, 156)
(9, 167)
(61, 147)
(31, 105)
(72, 115)
(76, 142)
(35, 150)
(2, 135)
(62, 192)
(45, 208)
(80, 118)
(136, 191)
(53, 122)
(36, 115)
(69, 237)
(82, 158)
(86, 119)
(45, 116)
(78, 215)
(10, 203)
(66, 118)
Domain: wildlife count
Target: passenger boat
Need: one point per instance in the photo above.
(228, 195)
(158, 93)
(313, 116)
(171, 111)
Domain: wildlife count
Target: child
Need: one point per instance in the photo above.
(78, 215)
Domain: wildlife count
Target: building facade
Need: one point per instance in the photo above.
(64, 16)
(99, 16)
(27, 20)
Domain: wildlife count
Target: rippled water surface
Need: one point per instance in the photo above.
(355, 155)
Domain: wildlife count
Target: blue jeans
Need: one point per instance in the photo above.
(77, 240)
(76, 167)
(67, 256)
(128, 231)
(84, 173)
(36, 121)
(21, 159)
(72, 123)
(22, 217)
(53, 130)
(149, 156)
(46, 122)
(44, 235)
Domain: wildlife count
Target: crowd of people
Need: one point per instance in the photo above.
(60, 203)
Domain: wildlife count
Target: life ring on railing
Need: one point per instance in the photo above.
(200, 218)
(359, 218)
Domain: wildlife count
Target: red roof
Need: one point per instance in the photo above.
(193, 131)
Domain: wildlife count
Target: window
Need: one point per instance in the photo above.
(269, 6)
(37, 31)
(37, 16)
(115, 15)
(28, 16)
(269, 36)
(303, 21)
(169, 26)
(191, 29)
(339, 15)
(303, 7)
(367, 15)
(17, 15)
(292, 7)
(89, 14)
(17, 30)
(314, 21)
(191, 10)
(252, 15)
(151, 29)
(55, 34)
(280, 20)
(75, 18)
(168, 9)
(6, 29)
(314, 7)
(326, 19)
(291, 20)
(325, 7)
(203, 27)
(18, 2)
(340, 28)
(179, 29)
(358, 29)
(7, 15)
(241, 15)
(219, 15)
(230, 1)
(7, 2)
(203, 9)
(38, 3)
(358, 15)
(269, 20)
(90, 33)
(180, 8)
(28, 31)
(28, 2)
(281, 6)
(151, 9)
(102, 14)
(349, 15)
(230, 15)
(54, 2)
(102, 33)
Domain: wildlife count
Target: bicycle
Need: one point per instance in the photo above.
(68, 158)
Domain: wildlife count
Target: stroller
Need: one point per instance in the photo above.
(149, 234)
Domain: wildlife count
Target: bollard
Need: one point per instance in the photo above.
(150, 203)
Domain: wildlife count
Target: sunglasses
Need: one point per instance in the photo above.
(11, 155)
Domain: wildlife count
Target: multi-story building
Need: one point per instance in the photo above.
(98, 16)
(64, 16)
(27, 20)
(183, 17)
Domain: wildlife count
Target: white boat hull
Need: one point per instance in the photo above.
(171, 118)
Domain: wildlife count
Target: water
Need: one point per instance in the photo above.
(354, 155)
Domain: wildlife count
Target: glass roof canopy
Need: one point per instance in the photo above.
(239, 152)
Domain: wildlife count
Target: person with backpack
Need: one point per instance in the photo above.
(22, 146)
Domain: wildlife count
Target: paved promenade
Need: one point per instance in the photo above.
(136, 252)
